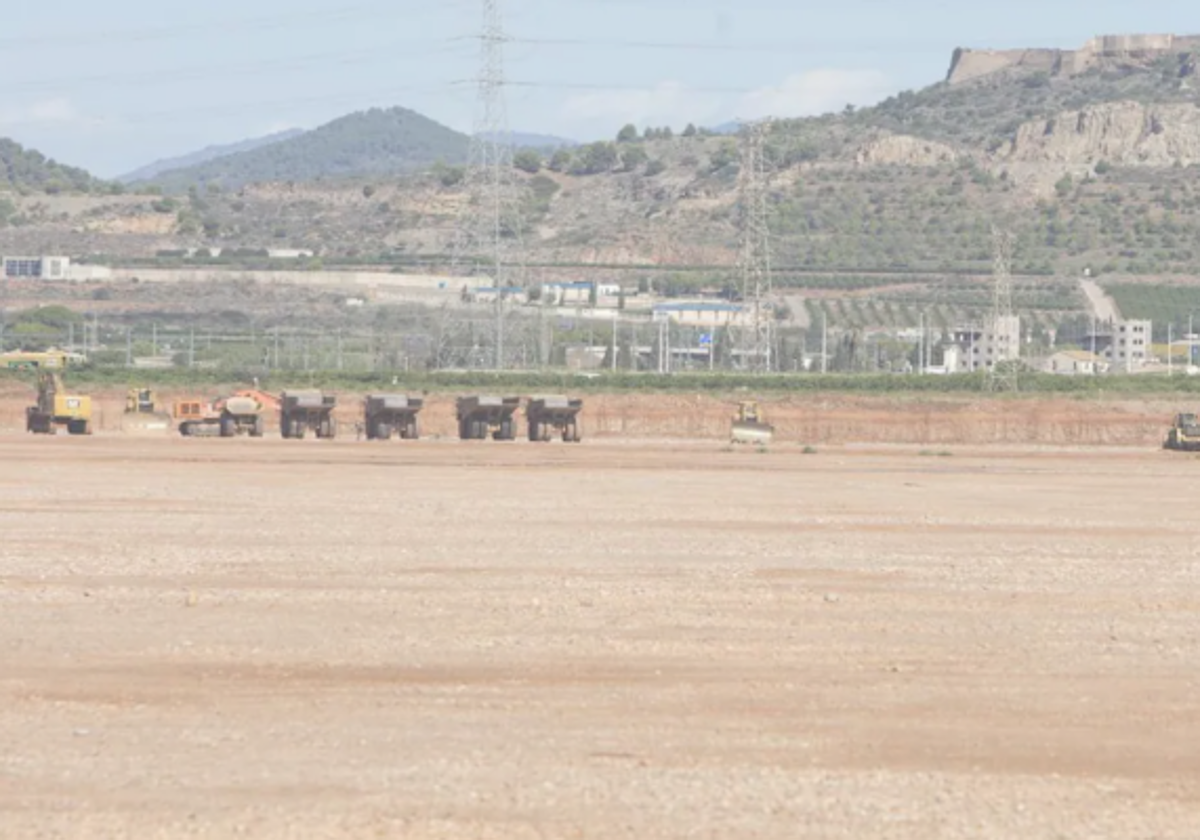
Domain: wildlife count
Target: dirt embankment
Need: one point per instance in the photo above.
(807, 419)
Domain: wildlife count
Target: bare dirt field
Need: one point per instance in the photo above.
(207, 638)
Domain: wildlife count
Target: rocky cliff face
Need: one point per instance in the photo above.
(1122, 133)
(1134, 50)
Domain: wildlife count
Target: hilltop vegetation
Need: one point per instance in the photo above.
(365, 144)
(28, 171)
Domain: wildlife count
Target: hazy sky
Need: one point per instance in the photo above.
(113, 85)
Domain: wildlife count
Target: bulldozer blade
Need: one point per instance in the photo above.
(752, 433)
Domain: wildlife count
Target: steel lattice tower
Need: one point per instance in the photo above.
(754, 258)
(489, 228)
(1002, 373)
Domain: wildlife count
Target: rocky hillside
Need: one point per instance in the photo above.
(1098, 168)
(367, 144)
(27, 171)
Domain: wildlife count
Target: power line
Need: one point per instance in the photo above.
(411, 49)
(754, 259)
(490, 224)
(1002, 373)
(238, 25)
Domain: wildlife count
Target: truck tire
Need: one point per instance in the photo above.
(535, 434)
(77, 427)
(228, 427)
(331, 428)
(506, 431)
(479, 430)
(260, 426)
(411, 430)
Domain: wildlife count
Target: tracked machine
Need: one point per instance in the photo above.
(749, 425)
(55, 408)
(388, 414)
(548, 416)
(1184, 434)
(480, 417)
(301, 412)
(230, 417)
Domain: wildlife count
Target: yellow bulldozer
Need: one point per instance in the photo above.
(56, 408)
(749, 425)
(1184, 434)
(142, 412)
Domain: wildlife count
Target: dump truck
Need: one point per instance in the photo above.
(548, 415)
(479, 416)
(229, 417)
(304, 411)
(1184, 434)
(388, 414)
(56, 408)
(749, 426)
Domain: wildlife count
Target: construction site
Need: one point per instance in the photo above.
(633, 637)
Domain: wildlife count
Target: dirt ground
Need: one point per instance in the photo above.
(269, 639)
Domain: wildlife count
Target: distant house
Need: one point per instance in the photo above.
(1075, 363)
(701, 313)
(567, 294)
(488, 294)
(289, 253)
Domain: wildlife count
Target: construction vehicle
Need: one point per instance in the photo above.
(33, 360)
(57, 408)
(388, 414)
(547, 415)
(749, 425)
(1184, 434)
(480, 416)
(304, 411)
(142, 413)
(225, 418)
(139, 401)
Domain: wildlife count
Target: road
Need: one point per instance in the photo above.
(207, 638)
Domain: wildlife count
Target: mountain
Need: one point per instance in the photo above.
(366, 144)
(24, 170)
(153, 170)
(1095, 165)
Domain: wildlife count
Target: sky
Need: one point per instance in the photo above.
(115, 85)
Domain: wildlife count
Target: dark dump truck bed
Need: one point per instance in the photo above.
(481, 415)
(302, 411)
(549, 414)
(388, 414)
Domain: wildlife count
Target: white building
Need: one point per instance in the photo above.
(702, 314)
(36, 268)
(1075, 363)
(980, 348)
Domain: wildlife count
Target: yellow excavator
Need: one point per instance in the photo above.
(749, 425)
(55, 408)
